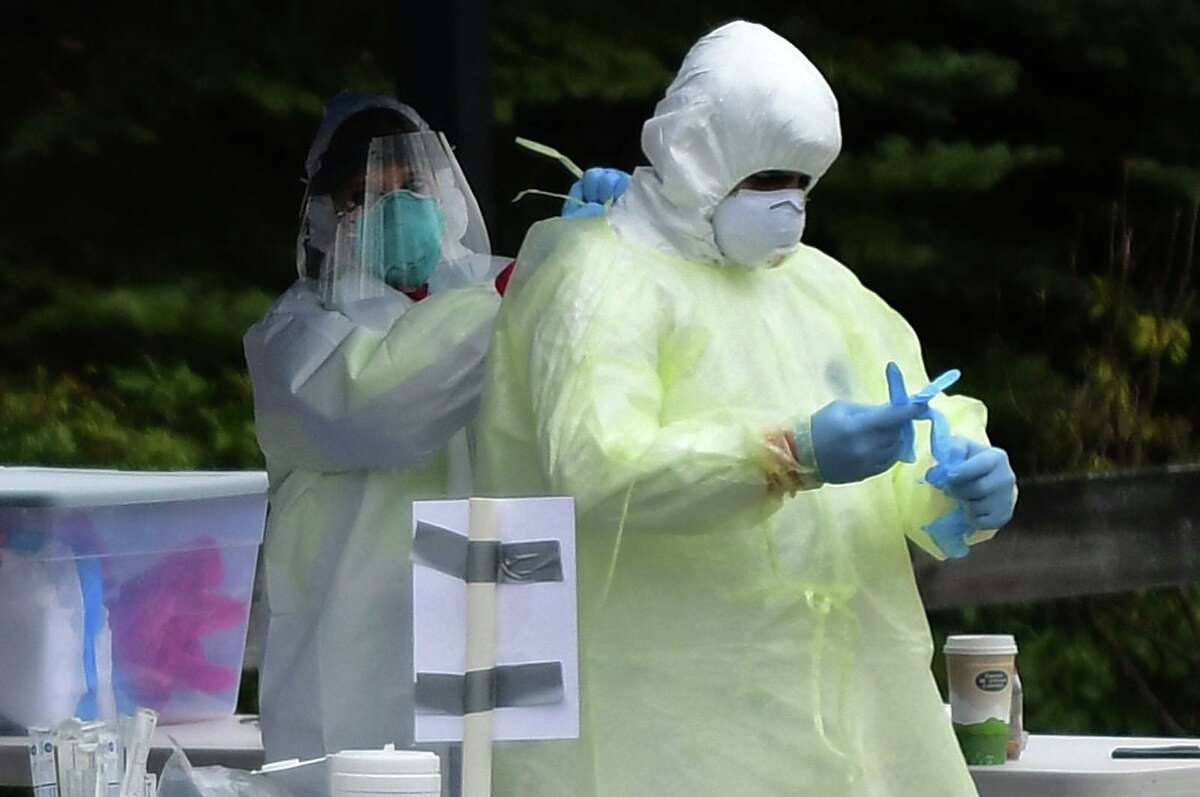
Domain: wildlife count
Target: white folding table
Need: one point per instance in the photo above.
(1051, 766)
(1083, 766)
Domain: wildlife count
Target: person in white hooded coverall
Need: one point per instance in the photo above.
(712, 393)
(365, 380)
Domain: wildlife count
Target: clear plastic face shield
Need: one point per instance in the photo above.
(408, 216)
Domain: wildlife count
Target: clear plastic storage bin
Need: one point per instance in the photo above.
(121, 589)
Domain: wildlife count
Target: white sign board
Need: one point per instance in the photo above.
(535, 622)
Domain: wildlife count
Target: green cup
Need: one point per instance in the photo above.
(980, 669)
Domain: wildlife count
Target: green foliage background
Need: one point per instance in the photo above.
(1019, 178)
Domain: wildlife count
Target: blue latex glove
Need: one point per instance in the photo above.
(898, 396)
(951, 530)
(590, 193)
(853, 442)
(983, 480)
(979, 477)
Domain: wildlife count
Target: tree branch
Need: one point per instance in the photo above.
(1133, 674)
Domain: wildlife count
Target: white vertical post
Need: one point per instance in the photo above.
(481, 654)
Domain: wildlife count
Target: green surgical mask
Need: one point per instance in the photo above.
(401, 237)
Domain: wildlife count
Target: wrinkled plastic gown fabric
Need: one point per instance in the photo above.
(359, 411)
(732, 640)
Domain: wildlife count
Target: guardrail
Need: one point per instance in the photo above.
(1080, 535)
(1071, 536)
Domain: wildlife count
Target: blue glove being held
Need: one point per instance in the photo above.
(853, 442)
(591, 192)
(982, 479)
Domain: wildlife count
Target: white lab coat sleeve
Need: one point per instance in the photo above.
(388, 389)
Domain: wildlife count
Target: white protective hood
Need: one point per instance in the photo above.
(745, 100)
(344, 105)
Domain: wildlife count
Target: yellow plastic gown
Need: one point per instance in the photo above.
(733, 640)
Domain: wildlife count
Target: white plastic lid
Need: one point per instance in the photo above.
(388, 761)
(980, 645)
(76, 488)
(386, 771)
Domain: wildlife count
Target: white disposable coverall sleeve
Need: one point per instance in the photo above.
(387, 389)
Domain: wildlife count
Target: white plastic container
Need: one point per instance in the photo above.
(357, 773)
(121, 589)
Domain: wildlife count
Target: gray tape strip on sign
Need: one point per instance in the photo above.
(486, 562)
(505, 686)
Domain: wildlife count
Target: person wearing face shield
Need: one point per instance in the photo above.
(366, 376)
(712, 393)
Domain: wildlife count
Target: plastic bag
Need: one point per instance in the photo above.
(180, 779)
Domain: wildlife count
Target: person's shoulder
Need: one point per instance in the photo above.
(300, 299)
(303, 294)
(836, 285)
(559, 237)
(293, 322)
(811, 264)
(561, 249)
(839, 285)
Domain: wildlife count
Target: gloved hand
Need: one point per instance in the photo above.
(982, 479)
(898, 396)
(590, 192)
(853, 442)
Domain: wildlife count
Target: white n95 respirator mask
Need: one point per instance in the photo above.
(758, 229)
